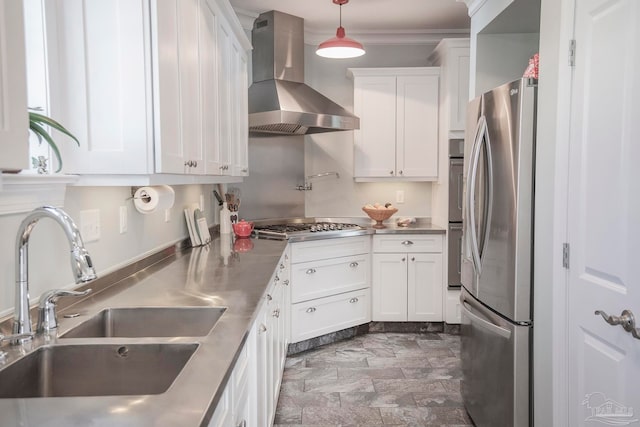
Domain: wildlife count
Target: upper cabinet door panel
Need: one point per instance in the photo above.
(99, 90)
(417, 126)
(14, 148)
(460, 91)
(375, 148)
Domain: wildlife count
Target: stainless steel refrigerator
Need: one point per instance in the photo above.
(496, 275)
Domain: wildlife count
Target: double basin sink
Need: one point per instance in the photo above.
(108, 369)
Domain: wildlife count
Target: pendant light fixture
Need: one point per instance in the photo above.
(340, 46)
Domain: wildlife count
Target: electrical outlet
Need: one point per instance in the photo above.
(202, 202)
(90, 225)
(123, 219)
(399, 196)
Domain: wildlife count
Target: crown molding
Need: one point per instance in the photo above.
(381, 37)
(246, 17)
(473, 5)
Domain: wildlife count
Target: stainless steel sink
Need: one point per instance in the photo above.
(149, 322)
(95, 370)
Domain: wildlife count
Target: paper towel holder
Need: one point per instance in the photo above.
(133, 195)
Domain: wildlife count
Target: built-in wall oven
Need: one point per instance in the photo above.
(456, 163)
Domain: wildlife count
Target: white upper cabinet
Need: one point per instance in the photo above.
(145, 85)
(14, 124)
(452, 55)
(398, 135)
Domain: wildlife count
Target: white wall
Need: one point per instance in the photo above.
(334, 151)
(49, 251)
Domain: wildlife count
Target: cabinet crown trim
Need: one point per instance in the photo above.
(393, 71)
(21, 193)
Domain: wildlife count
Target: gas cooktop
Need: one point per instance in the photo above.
(295, 229)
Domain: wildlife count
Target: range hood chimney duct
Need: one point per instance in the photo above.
(279, 101)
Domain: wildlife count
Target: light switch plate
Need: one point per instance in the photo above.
(400, 196)
(123, 219)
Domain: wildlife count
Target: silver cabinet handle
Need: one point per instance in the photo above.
(413, 258)
(391, 173)
(263, 328)
(276, 279)
(222, 167)
(311, 310)
(626, 320)
(353, 300)
(276, 313)
(311, 271)
(195, 164)
(281, 266)
(245, 170)
(400, 172)
(285, 282)
(407, 243)
(269, 297)
(354, 264)
(243, 423)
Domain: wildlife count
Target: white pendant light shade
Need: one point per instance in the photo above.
(340, 46)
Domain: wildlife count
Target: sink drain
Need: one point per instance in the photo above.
(123, 351)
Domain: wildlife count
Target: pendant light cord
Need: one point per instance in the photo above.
(341, 14)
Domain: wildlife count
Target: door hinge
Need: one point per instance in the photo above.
(572, 53)
(565, 255)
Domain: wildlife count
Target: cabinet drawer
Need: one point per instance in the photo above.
(408, 243)
(318, 279)
(321, 316)
(330, 248)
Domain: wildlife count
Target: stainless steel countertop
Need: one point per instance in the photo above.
(176, 281)
(195, 277)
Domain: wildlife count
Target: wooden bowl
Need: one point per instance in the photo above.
(379, 215)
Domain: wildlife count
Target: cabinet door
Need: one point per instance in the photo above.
(389, 287)
(225, 104)
(375, 141)
(209, 88)
(14, 148)
(458, 74)
(171, 148)
(262, 365)
(222, 417)
(240, 101)
(425, 286)
(98, 55)
(417, 126)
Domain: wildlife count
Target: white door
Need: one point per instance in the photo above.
(424, 288)
(389, 287)
(417, 126)
(604, 214)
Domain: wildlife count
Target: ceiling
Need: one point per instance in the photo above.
(377, 19)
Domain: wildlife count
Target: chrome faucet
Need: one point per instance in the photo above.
(80, 263)
(307, 182)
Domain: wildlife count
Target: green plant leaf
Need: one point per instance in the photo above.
(44, 120)
(41, 133)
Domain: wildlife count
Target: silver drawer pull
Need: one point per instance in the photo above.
(276, 279)
(311, 310)
(353, 300)
(285, 282)
(276, 313)
(354, 264)
(311, 271)
(269, 297)
(407, 243)
(243, 423)
(281, 266)
(413, 258)
(263, 328)
(404, 259)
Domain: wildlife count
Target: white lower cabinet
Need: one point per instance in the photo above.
(251, 394)
(330, 286)
(407, 283)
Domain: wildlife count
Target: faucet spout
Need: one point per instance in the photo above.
(81, 263)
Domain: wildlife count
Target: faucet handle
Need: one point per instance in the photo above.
(15, 339)
(47, 319)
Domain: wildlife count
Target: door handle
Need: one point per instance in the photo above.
(626, 320)
(407, 243)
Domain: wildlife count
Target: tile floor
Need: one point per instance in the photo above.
(396, 379)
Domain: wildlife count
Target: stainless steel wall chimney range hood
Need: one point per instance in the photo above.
(279, 101)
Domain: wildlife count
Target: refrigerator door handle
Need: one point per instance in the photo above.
(471, 196)
(489, 197)
(483, 322)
